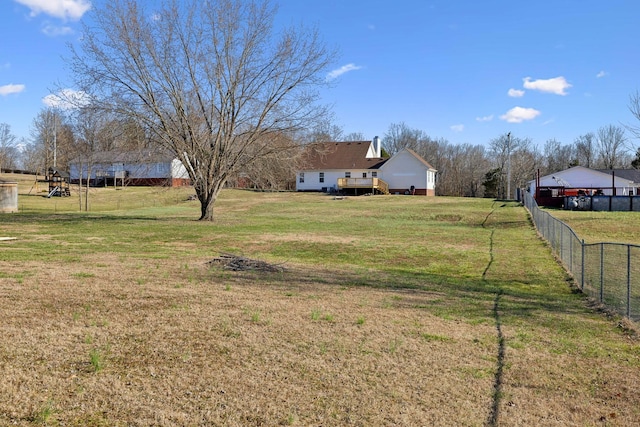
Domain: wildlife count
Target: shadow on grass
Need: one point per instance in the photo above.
(444, 296)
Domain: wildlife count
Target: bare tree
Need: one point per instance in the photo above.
(32, 156)
(585, 147)
(557, 156)
(51, 131)
(356, 136)
(634, 108)
(276, 172)
(90, 124)
(324, 129)
(611, 146)
(515, 157)
(474, 165)
(211, 81)
(400, 135)
(8, 150)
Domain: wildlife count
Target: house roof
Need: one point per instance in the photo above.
(340, 155)
(630, 174)
(58, 172)
(138, 156)
(580, 176)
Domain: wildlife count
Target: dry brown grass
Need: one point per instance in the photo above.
(221, 349)
(106, 336)
(204, 347)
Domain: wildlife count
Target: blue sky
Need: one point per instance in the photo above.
(464, 70)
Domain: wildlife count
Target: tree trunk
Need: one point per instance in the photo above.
(207, 200)
(86, 194)
(206, 211)
(80, 187)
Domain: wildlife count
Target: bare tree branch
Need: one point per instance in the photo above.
(212, 81)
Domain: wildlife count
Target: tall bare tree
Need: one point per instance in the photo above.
(356, 136)
(8, 150)
(557, 156)
(400, 135)
(51, 131)
(212, 81)
(634, 108)
(32, 156)
(513, 158)
(612, 150)
(91, 125)
(585, 147)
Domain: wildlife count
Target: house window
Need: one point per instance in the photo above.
(374, 174)
(347, 174)
(301, 177)
(364, 174)
(321, 176)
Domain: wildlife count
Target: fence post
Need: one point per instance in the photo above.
(582, 268)
(601, 272)
(571, 253)
(562, 245)
(629, 281)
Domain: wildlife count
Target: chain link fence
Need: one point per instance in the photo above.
(607, 272)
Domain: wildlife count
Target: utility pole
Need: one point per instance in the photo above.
(509, 166)
(55, 142)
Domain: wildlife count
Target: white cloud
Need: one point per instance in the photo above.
(53, 30)
(457, 128)
(66, 99)
(11, 88)
(515, 93)
(485, 118)
(342, 70)
(556, 85)
(520, 114)
(601, 74)
(64, 9)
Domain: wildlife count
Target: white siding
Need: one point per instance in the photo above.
(168, 169)
(178, 170)
(581, 177)
(312, 178)
(404, 170)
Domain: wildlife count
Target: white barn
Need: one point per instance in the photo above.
(610, 182)
(143, 167)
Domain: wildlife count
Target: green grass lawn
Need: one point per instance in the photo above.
(595, 227)
(392, 310)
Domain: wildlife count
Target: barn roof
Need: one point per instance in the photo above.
(630, 174)
(142, 156)
(340, 155)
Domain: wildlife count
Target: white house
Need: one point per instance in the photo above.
(359, 167)
(608, 182)
(142, 167)
(407, 170)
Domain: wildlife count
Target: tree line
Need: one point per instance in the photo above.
(464, 170)
(235, 99)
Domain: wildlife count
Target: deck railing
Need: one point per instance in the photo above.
(372, 183)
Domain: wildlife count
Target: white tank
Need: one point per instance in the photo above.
(8, 196)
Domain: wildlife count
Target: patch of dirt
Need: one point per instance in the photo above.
(240, 263)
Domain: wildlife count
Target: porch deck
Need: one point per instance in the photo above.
(373, 184)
